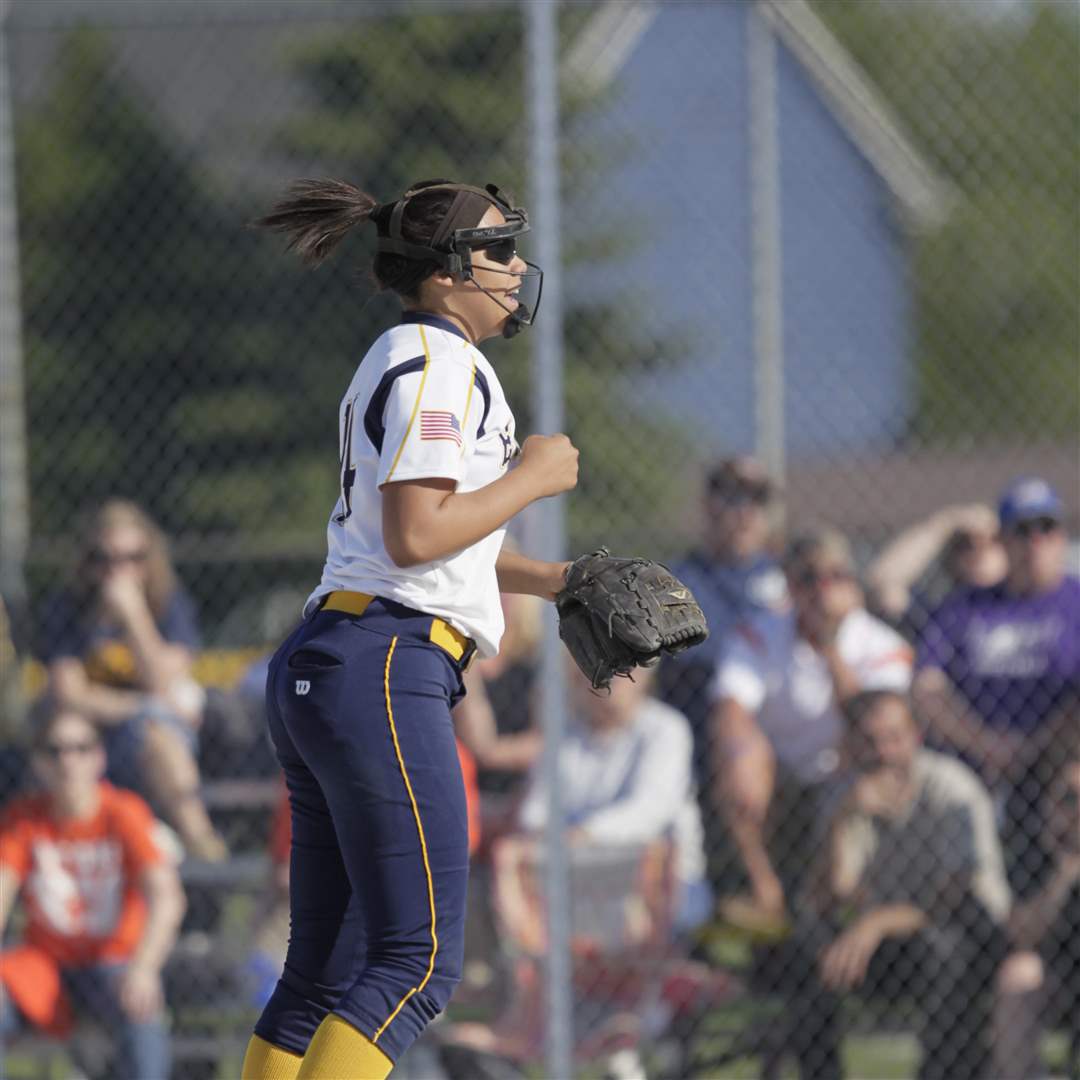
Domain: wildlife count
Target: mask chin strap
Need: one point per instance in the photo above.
(519, 316)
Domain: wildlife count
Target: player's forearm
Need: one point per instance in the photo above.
(456, 521)
(520, 574)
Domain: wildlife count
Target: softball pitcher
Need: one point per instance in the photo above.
(359, 695)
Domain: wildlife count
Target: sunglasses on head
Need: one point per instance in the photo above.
(56, 750)
(117, 558)
(1040, 526)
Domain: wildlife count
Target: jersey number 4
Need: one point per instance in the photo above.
(348, 469)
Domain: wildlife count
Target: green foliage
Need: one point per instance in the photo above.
(994, 105)
(153, 369)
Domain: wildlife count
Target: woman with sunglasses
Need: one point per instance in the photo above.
(102, 900)
(119, 644)
(359, 695)
(778, 697)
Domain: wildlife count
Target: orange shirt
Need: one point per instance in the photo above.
(80, 879)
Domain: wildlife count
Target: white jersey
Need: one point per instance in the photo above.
(780, 678)
(424, 403)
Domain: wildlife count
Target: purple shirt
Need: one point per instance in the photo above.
(1013, 658)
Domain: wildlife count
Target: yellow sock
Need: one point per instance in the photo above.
(339, 1052)
(264, 1061)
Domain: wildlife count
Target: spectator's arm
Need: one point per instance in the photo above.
(474, 721)
(844, 963)
(70, 687)
(845, 681)
(891, 575)
(745, 772)
(518, 573)
(1032, 919)
(9, 890)
(165, 906)
(952, 722)
(159, 662)
(661, 785)
(141, 994)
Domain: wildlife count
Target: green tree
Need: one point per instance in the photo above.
(994, 104)
(159, 365)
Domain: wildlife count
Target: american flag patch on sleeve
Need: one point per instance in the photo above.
(439, 424)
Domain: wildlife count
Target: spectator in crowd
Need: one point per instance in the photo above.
(956, 547)
(1040, 980)
(779, 695)
(625, 779)
(119, 645)
(103, 903)
(733, 576)
(995, 662)
(913, 861)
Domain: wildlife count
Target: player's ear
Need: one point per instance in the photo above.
(443, 279)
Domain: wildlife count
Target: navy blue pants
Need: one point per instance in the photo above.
(359, 712)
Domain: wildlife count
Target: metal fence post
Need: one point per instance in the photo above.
(548, 522)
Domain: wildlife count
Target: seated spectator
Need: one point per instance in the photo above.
(994, 663)
(779, 695)
(625, 780)
(103, 903)
(735, 578)
(118, 643)
(1040, 980)
(907, 902)
(957, 547)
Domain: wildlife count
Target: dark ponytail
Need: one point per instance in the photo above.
(316, 214)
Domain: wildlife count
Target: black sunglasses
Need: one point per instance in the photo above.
(1040, 526)
(501, 251)
(55, 751)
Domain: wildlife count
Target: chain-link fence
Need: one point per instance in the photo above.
(839, 236)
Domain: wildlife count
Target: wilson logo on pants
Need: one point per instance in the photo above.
(302, 686)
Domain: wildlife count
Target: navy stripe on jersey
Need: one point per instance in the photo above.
(439, 323)
(373, 415)
(481, 381)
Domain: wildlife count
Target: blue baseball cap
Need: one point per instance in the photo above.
(1026, 499)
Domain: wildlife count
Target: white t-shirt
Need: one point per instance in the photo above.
(772, 672)
(630, 785)
(424, 403)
